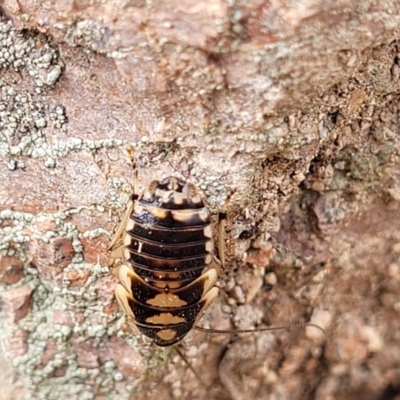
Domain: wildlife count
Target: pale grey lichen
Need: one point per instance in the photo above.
(47, 298)
(20, 51)
(24, 116)
(58, 117)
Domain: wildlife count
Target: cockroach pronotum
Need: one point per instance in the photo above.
(168, 277)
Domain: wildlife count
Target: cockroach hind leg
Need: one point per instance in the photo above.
(126, 325)
(221, 242)
(217, 265)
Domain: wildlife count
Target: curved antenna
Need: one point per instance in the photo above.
(294, 326)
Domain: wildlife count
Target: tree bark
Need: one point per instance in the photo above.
(288, 112)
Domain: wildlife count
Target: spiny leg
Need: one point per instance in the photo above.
(221, 240)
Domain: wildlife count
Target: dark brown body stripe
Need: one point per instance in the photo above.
(144, 311)
(162, 264)
(144, 292)
(168, 252)
(168, 236)
(154, 275)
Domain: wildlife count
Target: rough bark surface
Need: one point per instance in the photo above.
(289, 109)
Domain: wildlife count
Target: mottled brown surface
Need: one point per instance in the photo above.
(291, 109)
(11, 269)
(16, 303)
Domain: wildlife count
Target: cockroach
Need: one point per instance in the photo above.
(169, 271)
(168, 278)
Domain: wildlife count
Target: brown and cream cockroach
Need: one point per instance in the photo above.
(167, 280)
(169, 271)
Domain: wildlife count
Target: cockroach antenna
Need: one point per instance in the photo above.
(289, 327)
